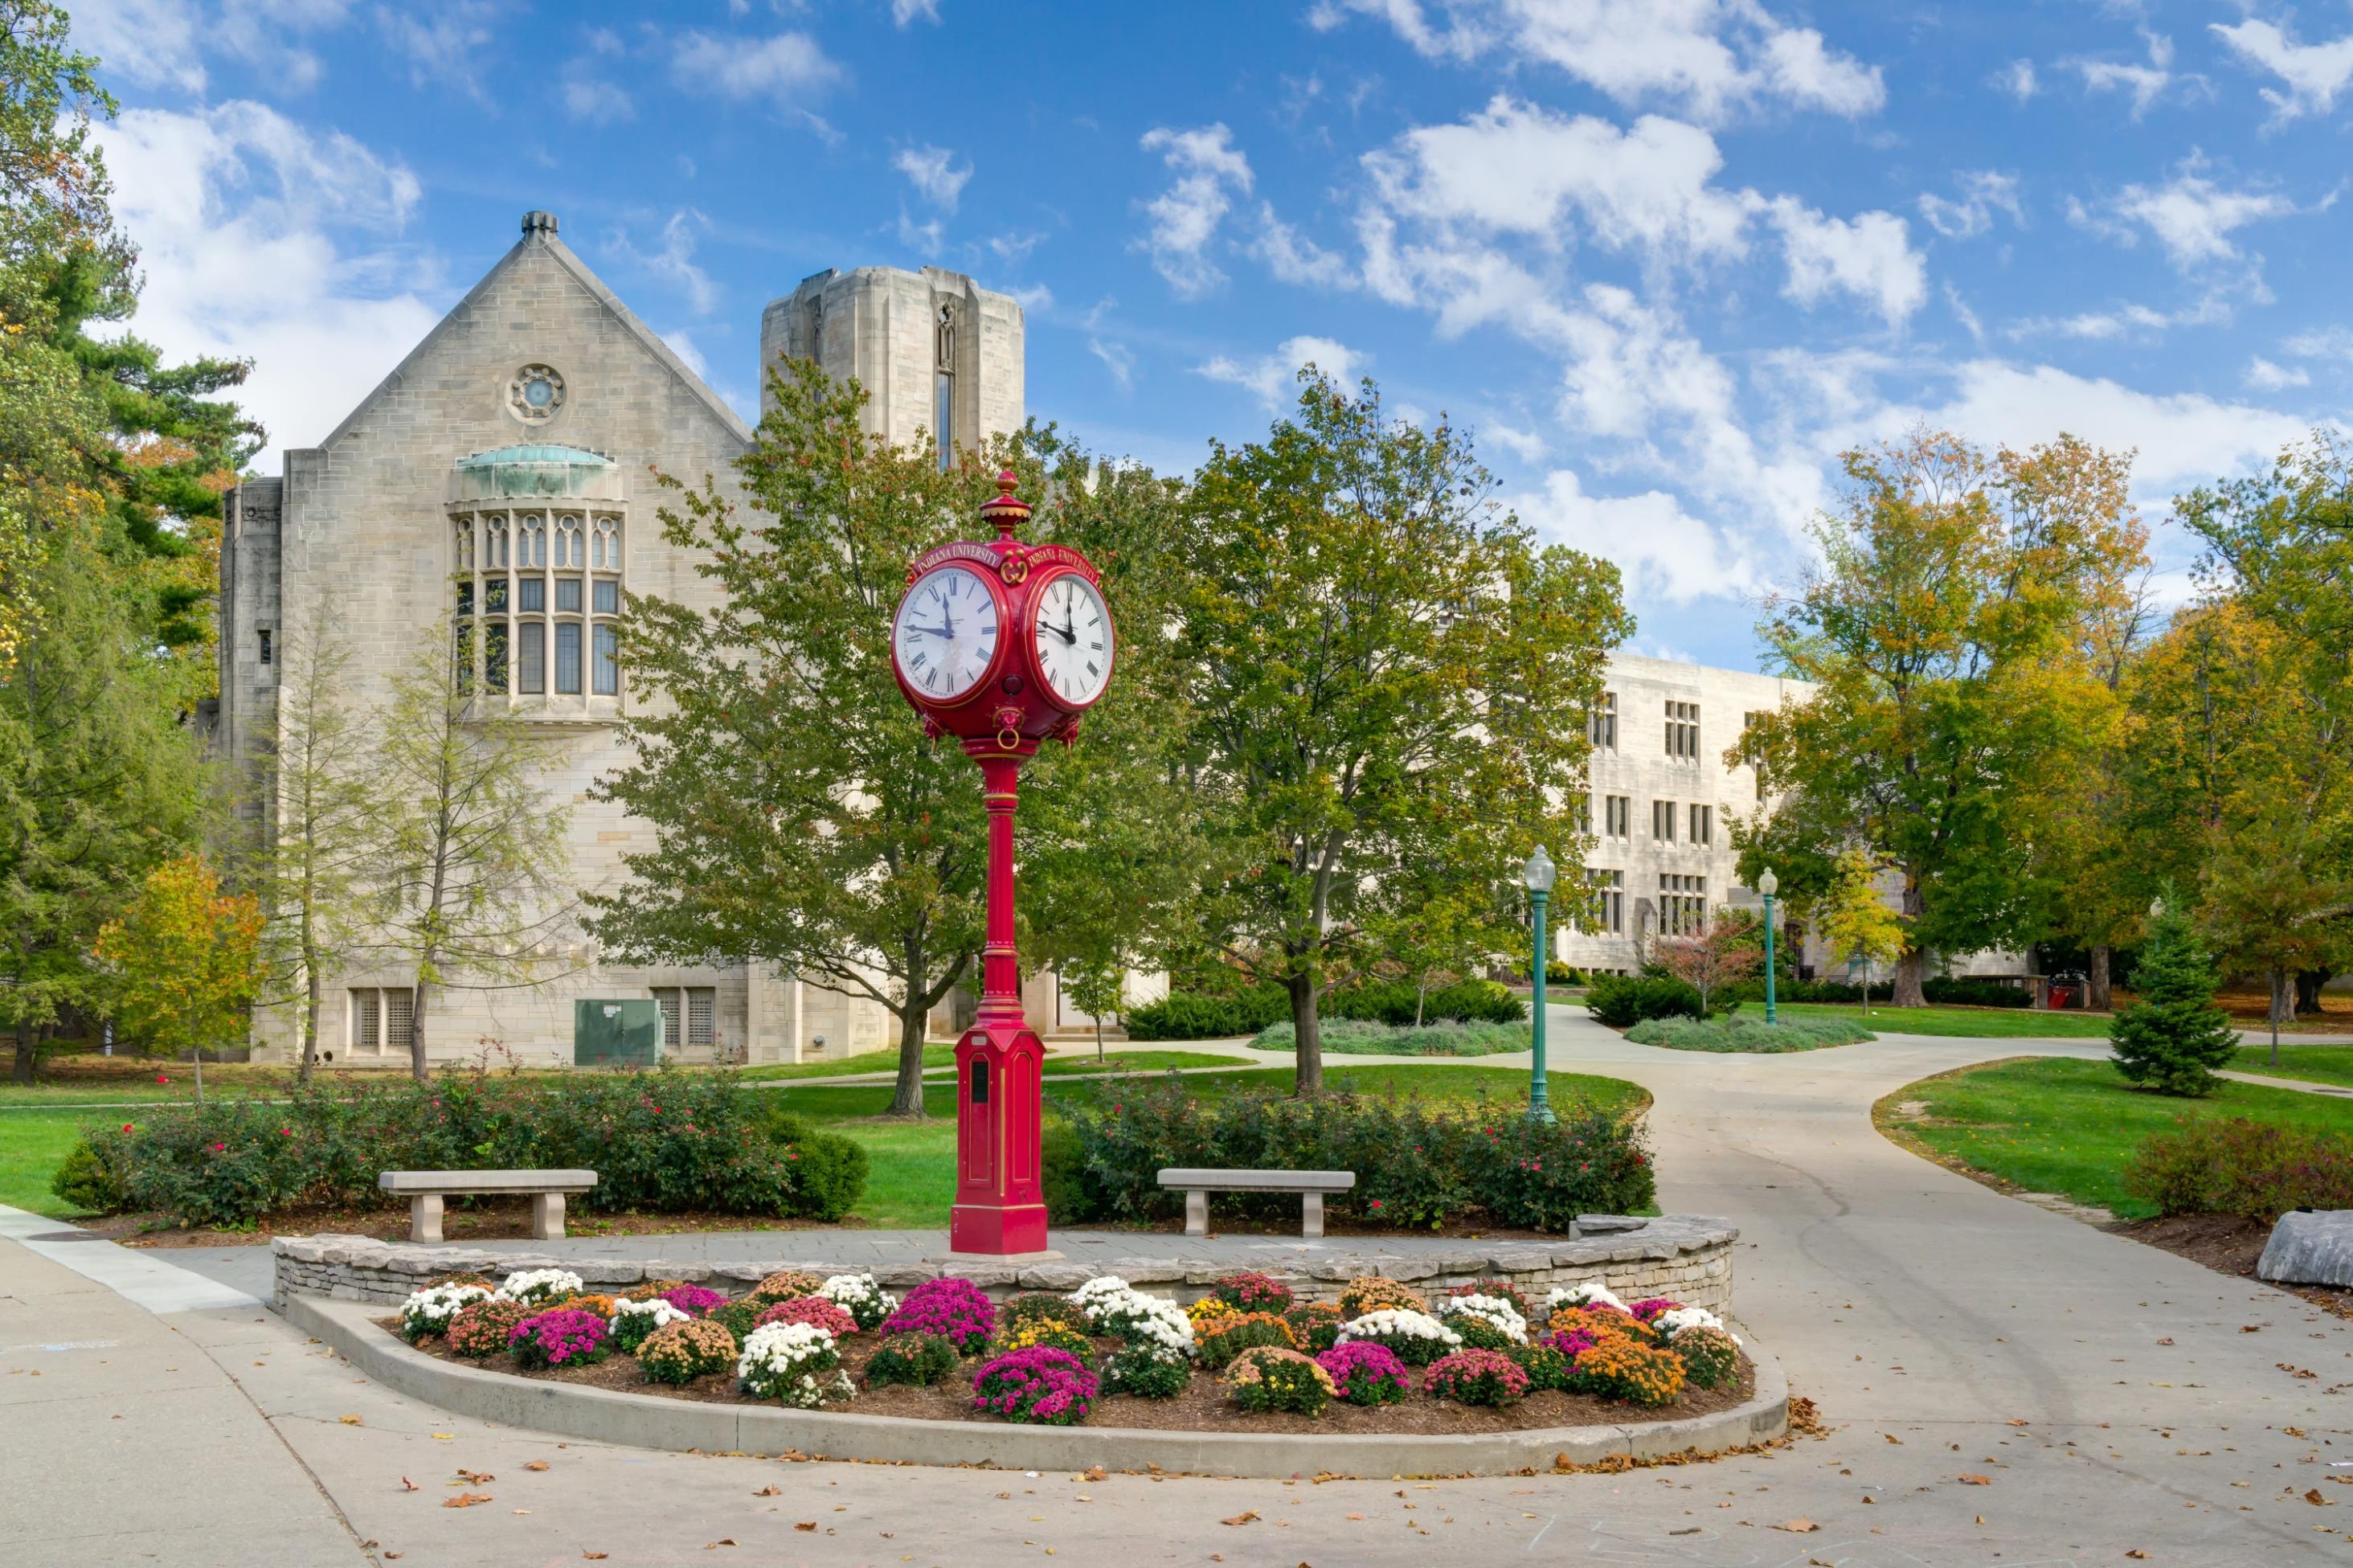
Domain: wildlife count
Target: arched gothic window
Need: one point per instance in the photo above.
(494, 553)
(604, 546)
(567, 543)
(532, 547)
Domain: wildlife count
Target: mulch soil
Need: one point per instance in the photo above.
(1203, 1407)
(2227, 1245)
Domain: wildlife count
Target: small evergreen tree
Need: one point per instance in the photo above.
(2173, 1037)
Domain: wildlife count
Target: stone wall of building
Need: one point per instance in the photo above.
(1686, 1257)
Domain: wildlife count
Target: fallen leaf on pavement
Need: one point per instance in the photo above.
(806, 1524)
(1867, 1497)
(2136, 1551)
(350, 1421)
(1798, 1526)
(466, 1500)
(536, 1464)
(445, 1437)
(715, 1545)
(769, 1492)
(1240, 1518)
(1892, 1437)
(476, 1477)
(2251, 1327)
(595, 1556)
(409, 1486)
(2294, 1371)
(1356, 1516)
(1097, 1473)
(2316, 1500)
(1969, 1480)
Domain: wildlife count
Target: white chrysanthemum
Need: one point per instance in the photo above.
(1682, 1318)
(1398, 1322)
(860, 1295)
(1103, 1288)
(1112, 1305)
(531, 1285)
(663, 1314)
(1589, 1293)
(1493, 1309)
(428, 1311)
(790, 1362)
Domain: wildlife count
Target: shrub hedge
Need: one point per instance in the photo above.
(1194, 1015)
(1420, 1164)
(2229, 1165)
(665, 1142)
(1350, 1036)
(1748, 1034)
(1620, 1001)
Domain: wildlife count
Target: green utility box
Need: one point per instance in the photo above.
(617, 1034)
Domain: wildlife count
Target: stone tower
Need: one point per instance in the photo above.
(936, 351)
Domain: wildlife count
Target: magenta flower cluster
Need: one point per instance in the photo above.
(694, 1300)
(1364, 1373)
(558, 1338)
(1041, 1385)
(1476, 1377)
(830, 1316)
(1569, 1342)
(1648, 1310)
(956, 1310)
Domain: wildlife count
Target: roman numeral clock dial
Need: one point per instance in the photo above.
(1071, 634)
(945, 637)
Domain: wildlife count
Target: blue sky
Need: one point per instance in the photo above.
(1668, 257)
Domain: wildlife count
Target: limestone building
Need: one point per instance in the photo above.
(503, 471)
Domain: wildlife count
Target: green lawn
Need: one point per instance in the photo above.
(867, 1062)
(32, 1144)
(1966, 1023)
(2068, 1126)
(2311, 1064)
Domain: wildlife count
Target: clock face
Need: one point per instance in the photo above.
(945, 637)
(1071, 632)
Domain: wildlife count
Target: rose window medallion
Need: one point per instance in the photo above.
(535, 393)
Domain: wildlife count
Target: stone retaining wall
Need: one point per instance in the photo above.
(1685, 1256)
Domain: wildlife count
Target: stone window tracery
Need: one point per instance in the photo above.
(537, 593)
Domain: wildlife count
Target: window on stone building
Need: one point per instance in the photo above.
(1751, 752)
(607, 597)
(943, 386)
(567, 596)
(1662, 821)
(532, 548)
(1608, 903)
(1683, 904)
(494, 551)
(688, 1014)
(531, 596)
(605, 547)
(531, 656)
(567, 657)
(1618, 816)
(383, 1017)
(568, 551)
(1602, 722)
(494, 658)
(607, 672)
(1703, 824)
(265, 649)
(1683, 731)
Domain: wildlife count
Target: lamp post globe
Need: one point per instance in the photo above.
(1538, 873)
(1768, 885)
(1003, 645)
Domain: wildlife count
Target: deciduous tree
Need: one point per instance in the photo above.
(1724, 951)
(185, 961)
(1855, 921)
(1388, 675)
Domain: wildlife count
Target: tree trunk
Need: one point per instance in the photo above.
(27, 1056)
(2096, 995)
(416, 999)
(1309, 1034)
(907, 1100)
(2308, 991)
(1909, 968)
(1099, 1053)
(1421, 996)
(197, 1055)
(309, 1025)
(2279, 1009)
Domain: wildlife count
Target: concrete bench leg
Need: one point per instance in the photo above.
(547, 1216)
(1311, 1215)
(424, 1218)
(1197, 1214)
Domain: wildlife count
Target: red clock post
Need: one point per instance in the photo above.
(1002, 645)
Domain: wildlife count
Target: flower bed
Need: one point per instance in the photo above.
(1589, 1360)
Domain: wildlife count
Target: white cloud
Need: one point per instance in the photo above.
(588, 94)
(1293, 258)
(2191, 216)
(739, 68)
(2016, 78)
(904, 11)
(1273, 375)
(2314, 73)
(1983, 192)
(1514, 168)
(1117, 358)
(1707, 57)
(923, 238)
(2266, 377)
(674, 261)
(1525, 445)
(2180, 437)
(1184, 217)
(147, 43)
(1870, 257)
(246, 223)
(2125, 320)
(932, 172)
(2145, 84)
(445, 40)
(2322, 342)
(1662, 550)
(682, 343)
(1036, 297)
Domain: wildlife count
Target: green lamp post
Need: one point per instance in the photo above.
(1538, 873)
(1768, 885)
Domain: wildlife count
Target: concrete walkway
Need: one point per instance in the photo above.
(2113, 1399)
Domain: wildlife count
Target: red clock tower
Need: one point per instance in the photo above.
(1002, 645)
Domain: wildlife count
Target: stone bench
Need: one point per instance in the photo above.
(1311, 1186)
(425, 1189)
